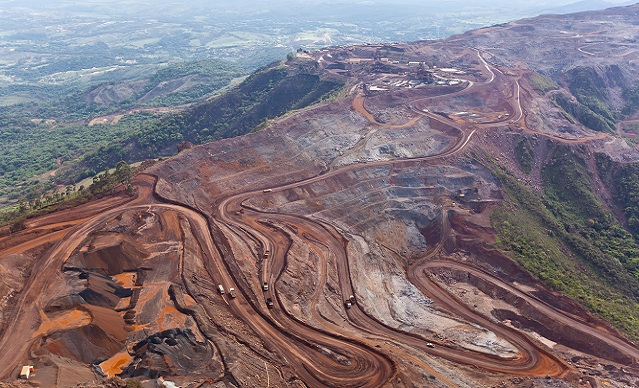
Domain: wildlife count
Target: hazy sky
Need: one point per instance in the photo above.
(515, 8)
(260, 3)
(249, 6)
(417, 19)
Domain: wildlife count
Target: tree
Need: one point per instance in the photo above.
(123, 171)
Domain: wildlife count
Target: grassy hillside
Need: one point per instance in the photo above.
(31, 149)
(266, 94)
(48, 125)
(168, 85)
(623, 181)
(186, 82)
(568, 240)
(594, 96)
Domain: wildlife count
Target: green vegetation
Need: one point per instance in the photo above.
(568, 241)
(631, 96)
(175, 84)
(589, 88)
(266, 94)
(542, 84)
(39, 136)
(30, 150)
(525, 155)
(583, 114)
(592, 110)
(40, 201)
(201, 78)
(623, 180)
(568, 189)
(631, 127)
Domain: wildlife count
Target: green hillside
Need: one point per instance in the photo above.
(266, 94)
(568, 239)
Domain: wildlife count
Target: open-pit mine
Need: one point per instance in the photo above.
(347, 244)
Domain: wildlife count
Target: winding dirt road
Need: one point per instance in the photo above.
(359, 352)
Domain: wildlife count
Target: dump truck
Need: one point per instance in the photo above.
(269, 303)
(266, 254)
(267, 190)
(232, 292)
(265, 286)
(220, 289)
(26, 372)
(348, 304)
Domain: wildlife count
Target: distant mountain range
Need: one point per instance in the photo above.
(585, 5)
